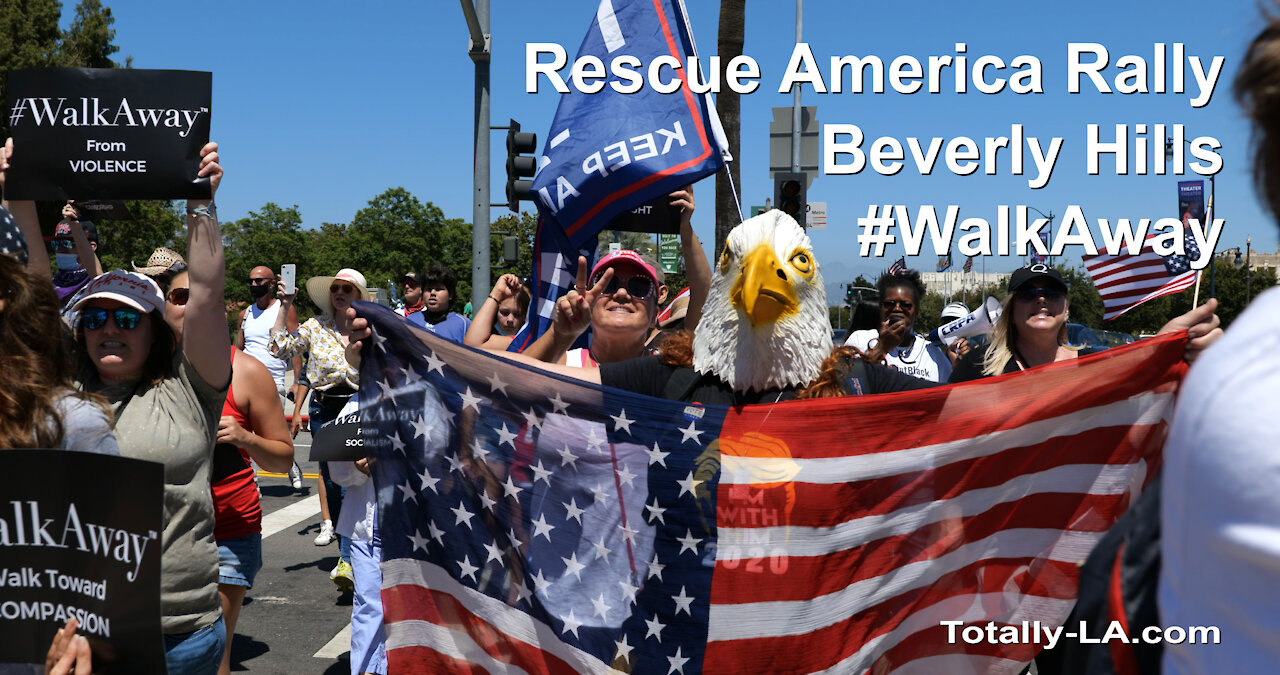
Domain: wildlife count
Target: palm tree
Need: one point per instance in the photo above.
(729, 43)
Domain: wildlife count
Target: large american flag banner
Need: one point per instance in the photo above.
(538, 524)
(1126, 281)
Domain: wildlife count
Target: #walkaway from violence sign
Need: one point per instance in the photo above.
(102, 133)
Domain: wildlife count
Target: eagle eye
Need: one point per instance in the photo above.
(802, 262)
(725, 260)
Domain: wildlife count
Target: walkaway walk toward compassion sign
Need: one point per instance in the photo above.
(108, 133)
(85, 544)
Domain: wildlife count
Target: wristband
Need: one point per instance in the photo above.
(494, 299)
(209, 211)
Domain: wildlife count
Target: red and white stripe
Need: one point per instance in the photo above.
(1126, 281)
(884, 516)
(432, 622)
(665, 314)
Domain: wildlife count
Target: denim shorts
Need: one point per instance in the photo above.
(197, 653)
(239, 559)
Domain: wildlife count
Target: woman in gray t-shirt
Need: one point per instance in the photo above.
(168, 399)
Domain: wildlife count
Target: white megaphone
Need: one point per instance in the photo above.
(979, 321)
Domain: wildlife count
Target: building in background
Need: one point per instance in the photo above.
(955, 282)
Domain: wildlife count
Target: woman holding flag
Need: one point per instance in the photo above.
(1032, 328)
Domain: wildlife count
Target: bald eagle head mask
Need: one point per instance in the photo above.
(765, 323)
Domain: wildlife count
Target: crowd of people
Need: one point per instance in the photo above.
(140, 364)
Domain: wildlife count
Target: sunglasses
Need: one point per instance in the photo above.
(179, 296)
(637, 286)
(258, 282)
(1050, 294)
(888, 305)
(409, 283)
(63, 245)
(342, 288)
(126, 318)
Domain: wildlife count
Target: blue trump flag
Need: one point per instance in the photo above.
(609, 152)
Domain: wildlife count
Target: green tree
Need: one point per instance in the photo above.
(30, 38)
(930, 314)
(328, 249)
(524, 228)
(270, 236)
(156, 223)
(396, 233)
(87, 41)
(1086, 302)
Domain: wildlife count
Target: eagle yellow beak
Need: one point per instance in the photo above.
(764, 291)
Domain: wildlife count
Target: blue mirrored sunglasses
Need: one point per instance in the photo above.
(126, 318)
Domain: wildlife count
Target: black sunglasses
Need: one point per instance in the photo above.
(259, 281)
(63, 245)
(125, 317)
(1047, 293)
(888, 305)
(637, 286)
(179, 296)
(342, 288)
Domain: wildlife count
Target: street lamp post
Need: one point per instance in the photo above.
(1248, 278)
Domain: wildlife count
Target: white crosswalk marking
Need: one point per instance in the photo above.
(339, 645)
(290, 515)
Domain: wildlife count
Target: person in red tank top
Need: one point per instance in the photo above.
(252, 428)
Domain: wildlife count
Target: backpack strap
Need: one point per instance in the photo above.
(681, 385)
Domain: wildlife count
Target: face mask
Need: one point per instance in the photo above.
(259, 290)
(68, 261)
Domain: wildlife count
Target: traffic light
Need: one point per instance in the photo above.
(510, 250)
(848, 295)
(789, 195)
(520, 166)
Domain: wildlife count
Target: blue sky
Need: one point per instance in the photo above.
(325, 104)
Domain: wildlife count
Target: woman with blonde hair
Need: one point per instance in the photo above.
(1032, 328)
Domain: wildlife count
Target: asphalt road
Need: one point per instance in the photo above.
(294, 620)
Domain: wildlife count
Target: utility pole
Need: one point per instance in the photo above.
(477, 16)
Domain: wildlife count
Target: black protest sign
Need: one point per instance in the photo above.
(654, 216)
(338, 441)
(82, 542)
(104, 209)
(108, 133)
